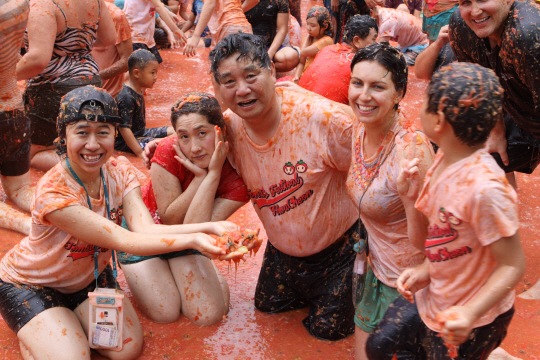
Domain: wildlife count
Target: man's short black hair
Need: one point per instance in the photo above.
(139, 59)
(470, 97)
(247, 46)
(359, 25)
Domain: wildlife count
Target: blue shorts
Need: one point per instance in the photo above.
(432, 25)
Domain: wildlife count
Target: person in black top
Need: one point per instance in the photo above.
(503, 36)
(132, 133)
(270, 20)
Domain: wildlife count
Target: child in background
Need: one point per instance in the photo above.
(133, 134)
(320, 34)
(464, 289)
(193, 19)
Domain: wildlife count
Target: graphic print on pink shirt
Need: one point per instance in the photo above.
(444, 234)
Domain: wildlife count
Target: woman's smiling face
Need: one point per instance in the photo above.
(372, 93)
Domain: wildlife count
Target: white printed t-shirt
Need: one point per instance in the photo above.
(297, 180)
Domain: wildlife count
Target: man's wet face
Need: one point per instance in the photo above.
(245, 87)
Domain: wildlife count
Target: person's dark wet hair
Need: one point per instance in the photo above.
(247, 46)
(470, 97)
(139, 59)
(388, 57)
(199, 103)
(323, 19)
(359, 25)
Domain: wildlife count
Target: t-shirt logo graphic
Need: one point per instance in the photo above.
(444, 234)
(282, 190)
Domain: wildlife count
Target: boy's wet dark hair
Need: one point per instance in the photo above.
(247, 46)
(198, 103)
(359, 25)
(139, 59)
(323, 19)
(388, 57)
(470, 97)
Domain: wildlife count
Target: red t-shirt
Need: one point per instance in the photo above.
(231, 186)
(330, 73)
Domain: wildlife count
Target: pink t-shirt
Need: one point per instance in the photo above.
(51, 257)
(296, 181)
(469, 207)
(403, 28)
(383, 214)
(141, 15)
(106, 56)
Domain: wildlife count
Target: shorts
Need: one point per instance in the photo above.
(523, 150)
(42, 104)
(233, 29)
(127, 258)
(149, 135)
(153, 50)
(375, 301)
(432, 25)
(15, 145)
(403, 332)
(21, 303)
(322, 281)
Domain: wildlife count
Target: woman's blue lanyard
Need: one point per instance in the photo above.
(96, 252)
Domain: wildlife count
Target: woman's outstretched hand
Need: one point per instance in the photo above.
(182, 159)
(220, 152)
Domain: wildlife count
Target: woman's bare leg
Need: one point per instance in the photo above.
(154, 289)
(54, 334)
(14, 220)
(286, 59)
(203, 298)
(19, 189)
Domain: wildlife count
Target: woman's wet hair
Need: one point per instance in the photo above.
(359, 25)
(470, 97)
(323, 19)
(139, 59)
(60, 142)
(388, 57)
(198, 103)
(247, 46)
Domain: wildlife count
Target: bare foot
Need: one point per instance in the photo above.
(501, 354)
(533, 293)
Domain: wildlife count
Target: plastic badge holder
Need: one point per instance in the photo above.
(106, 319)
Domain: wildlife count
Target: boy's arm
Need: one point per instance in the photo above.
(509, 256)
(132, 142)
(189, 23)
(204, 18)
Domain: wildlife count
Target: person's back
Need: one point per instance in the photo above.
(401, 27)
(14, 17)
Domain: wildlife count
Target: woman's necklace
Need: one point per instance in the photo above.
(364, 172)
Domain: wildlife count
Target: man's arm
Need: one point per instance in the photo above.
(124, 49)
(426, 60)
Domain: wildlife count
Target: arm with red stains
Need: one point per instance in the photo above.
(124, 49)
(164, 14)
(426, 60)
(42, 28)
(147, 238)
(459, 320)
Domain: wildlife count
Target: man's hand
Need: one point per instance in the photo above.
(149, 151)
(443, 37)
(496, 143)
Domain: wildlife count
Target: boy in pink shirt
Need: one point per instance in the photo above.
(464, 290)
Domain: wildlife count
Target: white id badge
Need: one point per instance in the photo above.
(106, 319)
(360, 263)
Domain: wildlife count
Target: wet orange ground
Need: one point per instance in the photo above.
(248, 333)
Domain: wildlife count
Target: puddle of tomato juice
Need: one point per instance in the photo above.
(247, 333)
